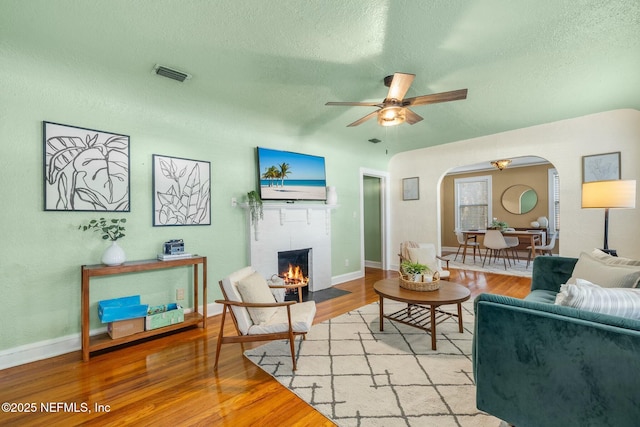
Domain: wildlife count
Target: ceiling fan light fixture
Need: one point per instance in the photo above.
(501, 164)
(391, 116)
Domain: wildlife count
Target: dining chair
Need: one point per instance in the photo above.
(542, 249)
(495, 244)
(513, 242)
(471, 241)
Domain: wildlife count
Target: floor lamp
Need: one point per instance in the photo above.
(609, 195)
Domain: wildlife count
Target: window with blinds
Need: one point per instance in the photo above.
(472, 202)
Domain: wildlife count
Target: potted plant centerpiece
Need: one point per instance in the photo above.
(113, 230)
(498, 225)
(414, 270)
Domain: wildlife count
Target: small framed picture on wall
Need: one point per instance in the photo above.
(601, 167)
(410, 189)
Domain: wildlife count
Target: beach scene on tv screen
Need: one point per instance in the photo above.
(291, 176)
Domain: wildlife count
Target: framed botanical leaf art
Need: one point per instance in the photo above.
(181, 191)
(85, 169)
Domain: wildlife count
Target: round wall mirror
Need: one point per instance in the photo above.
(519, 199)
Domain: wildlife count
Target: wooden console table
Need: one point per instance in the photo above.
(104, 341)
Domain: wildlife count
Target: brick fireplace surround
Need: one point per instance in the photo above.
(291, 226)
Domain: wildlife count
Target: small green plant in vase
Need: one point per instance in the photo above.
(112, 229)
(414, 270)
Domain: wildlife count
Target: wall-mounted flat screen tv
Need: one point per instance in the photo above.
(284, 175)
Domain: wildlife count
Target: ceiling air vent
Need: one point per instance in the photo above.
(170, 73)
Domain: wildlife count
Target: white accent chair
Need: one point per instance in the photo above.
(495, 244)
(424, 253)
(257, 316)
(471, 241)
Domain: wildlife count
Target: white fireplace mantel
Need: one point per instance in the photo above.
(292, 226)
(290, 212)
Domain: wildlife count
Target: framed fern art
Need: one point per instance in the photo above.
(85, 169)
(181, 191)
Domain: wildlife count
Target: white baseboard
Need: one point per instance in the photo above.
(373, 264)
(57, 346)
(336, 280)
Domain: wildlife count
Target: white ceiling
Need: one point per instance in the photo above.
(524, 62)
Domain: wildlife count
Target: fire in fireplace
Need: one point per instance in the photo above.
(293, 266)
(294, 276)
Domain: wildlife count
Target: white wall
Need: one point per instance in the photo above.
(563, 143)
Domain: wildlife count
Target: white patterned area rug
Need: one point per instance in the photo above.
(358, 376)
(516, 268)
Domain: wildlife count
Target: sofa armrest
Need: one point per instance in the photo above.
(549, 272)
(538, 364)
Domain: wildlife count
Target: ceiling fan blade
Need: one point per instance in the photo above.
(355, 104)
(363, 119)
(400, 85)
(453, 95)
(411, 117)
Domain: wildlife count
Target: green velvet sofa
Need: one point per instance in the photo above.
(542, 365)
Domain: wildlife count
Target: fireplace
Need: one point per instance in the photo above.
(294, 267)
(291, 228)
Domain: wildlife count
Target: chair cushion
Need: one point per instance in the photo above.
(426, 254)
(302, 315)
(605, 274)
(622, 302)
(230, 286)
(254, 288)
(278, 293)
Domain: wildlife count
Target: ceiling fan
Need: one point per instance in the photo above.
(394, 109)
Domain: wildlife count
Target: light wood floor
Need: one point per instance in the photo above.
(170, 380)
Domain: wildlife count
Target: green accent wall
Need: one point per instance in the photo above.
(43, 250)
(372, 218)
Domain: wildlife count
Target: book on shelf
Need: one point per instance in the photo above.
(166, 257)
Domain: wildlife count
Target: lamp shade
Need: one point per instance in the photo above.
(609, 194)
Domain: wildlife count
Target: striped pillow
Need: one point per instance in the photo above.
(622, 302)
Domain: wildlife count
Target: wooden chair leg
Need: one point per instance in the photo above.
(220, 337)
(292, 347)
(456, 257)
(531, 255)
(505, 257)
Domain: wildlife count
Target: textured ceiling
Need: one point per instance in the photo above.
(524, 62)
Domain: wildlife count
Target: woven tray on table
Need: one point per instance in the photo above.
(420, 286)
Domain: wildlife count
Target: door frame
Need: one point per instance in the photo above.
(384, 215)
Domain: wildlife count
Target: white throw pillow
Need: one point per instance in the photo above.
(622, 302)
(613, 260)
(607, 275)
(254, 289)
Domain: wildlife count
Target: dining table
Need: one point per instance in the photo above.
(526, 234)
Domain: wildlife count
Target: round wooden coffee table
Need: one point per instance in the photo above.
(416, 314)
